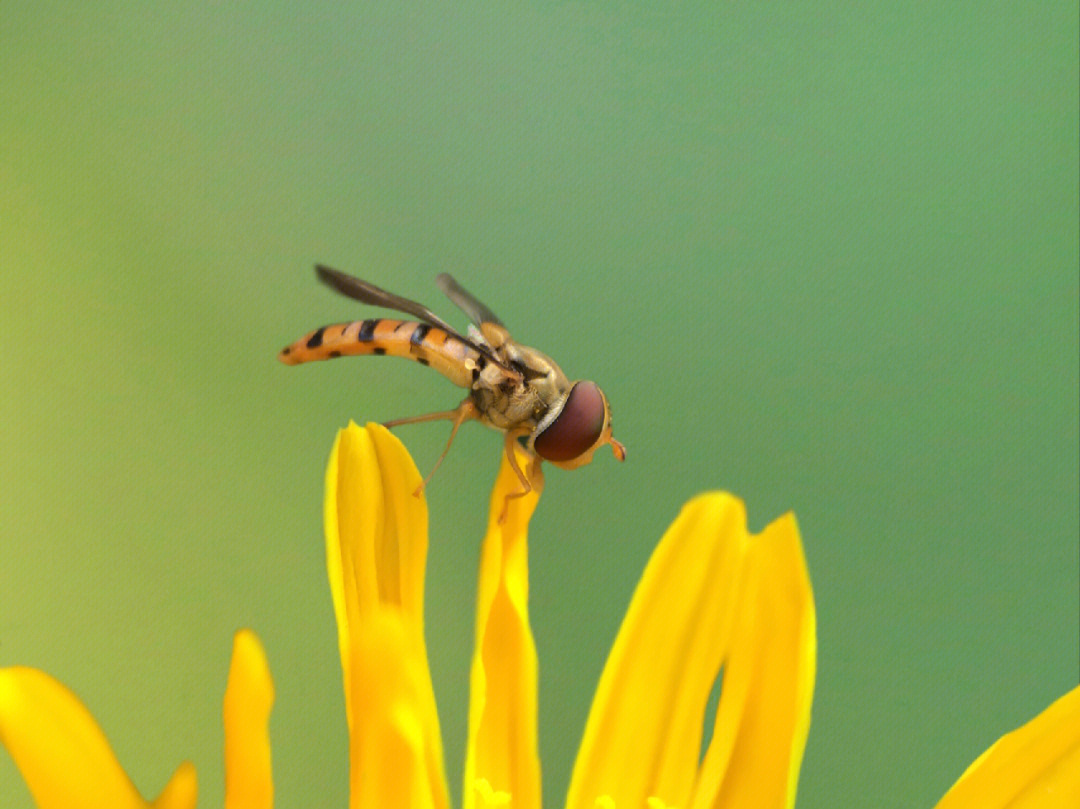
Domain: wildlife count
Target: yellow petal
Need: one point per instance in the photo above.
(376, 531)
(643, 735)
(391, 767)
(501, 754)
(249, 696)
(1036, 765)
(182, 791)
(763, 715)
(62, 753)
(376, 550)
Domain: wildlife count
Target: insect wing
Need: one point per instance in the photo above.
(366, 292)
(477, 311)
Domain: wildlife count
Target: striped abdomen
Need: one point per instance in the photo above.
(428, 345)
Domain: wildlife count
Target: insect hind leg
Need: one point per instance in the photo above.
(459, 415)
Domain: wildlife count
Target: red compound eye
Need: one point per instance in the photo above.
(577, 427)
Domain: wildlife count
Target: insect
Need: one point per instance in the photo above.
(512, 387)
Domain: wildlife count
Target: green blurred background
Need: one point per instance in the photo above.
(819, 255)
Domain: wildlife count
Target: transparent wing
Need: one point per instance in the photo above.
(477, 311)
(366, 292)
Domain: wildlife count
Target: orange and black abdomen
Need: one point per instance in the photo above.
(429, 345)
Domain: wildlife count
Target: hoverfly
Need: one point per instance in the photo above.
(512, 387)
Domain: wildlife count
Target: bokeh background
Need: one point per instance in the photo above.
(822, 255)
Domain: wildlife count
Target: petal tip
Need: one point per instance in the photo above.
(182, 791)
(249, 653)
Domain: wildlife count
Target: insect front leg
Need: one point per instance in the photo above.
(459, 415)
(525, 477)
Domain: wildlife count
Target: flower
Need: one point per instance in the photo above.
(712, 599)
(68, 763)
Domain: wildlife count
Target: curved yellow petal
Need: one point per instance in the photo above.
(643, 735)
(61, 752)
(1036, 765)
(501, 755)
(763, 715)
(249, 696)
(376, 551)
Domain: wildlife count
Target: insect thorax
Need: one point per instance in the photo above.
(507, 403)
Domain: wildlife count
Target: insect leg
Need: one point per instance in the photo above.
(459, 415)
(464, 411)
(525, 478)
(448, 415)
